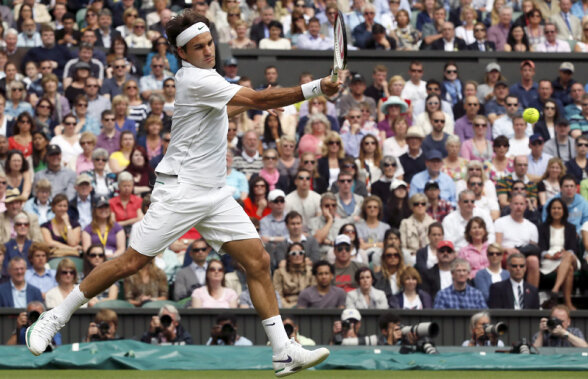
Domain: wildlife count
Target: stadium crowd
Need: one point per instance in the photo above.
(400, 194)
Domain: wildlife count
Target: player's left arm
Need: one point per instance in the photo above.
(275, 97)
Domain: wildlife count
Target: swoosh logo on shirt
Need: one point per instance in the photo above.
(285, 360)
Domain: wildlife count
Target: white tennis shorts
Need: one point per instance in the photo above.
(177, 207)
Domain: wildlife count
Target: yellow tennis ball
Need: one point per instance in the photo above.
(531, 115)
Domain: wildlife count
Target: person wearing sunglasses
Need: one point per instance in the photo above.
(391, 170)
(94, 256)
(295, 226)
(552, 44)
(434, 162)
(290, 280)
(413, 230)
(515, 292)
(66, 277)
(214, 294)
(273, 226)
(193, 275)
(345, 267)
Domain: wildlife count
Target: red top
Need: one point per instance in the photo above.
(26, 150)
(121, 213)
(251, 209)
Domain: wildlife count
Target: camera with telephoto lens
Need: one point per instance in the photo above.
(228, 334)
(553, 322)
(166, 321)
(32, 317)
(421, 330)
(494, 330)
(102, 335)
(346, 324)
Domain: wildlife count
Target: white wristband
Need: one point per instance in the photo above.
(311, 89)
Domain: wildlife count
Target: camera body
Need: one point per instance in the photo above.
(553, 322)
(289, 330)
(165, 321)
(32, 317)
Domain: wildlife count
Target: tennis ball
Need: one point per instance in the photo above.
(531, 115)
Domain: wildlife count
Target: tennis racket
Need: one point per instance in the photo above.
(340, 46)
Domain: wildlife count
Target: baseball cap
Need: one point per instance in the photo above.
(350, 314)
(83, 178)
(431, 184)
(231, 62)
(397, 183)
(443, 244)
(493, 66)
(527, 62)
(101, 201)
(566, 66)
(536, 137)
(434, 154)
(53, 149)
(274, 194)
(341, 239)
(357, 78)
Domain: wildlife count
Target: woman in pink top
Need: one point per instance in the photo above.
(478, 148)
(314, 132)
(475, 252)
(214, 294)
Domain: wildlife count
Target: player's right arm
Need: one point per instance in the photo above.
(277, 97)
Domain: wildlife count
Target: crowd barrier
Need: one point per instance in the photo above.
(314, 323)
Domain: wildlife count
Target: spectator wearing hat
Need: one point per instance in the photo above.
(14, 202)
(537, 158)
(80, 206)
(527, 91)
(460, 295)
(434, 161)
(345, 267)
(485, 91)
(481, 43)
(502, 126)
(84, 60)
(563, 83)
(438, 277)
(40, 204)
(437, 139)
(273, 226)
(392, 108)
(355, 96)
(231, 69)
(103, 230)
(413, 161)
(62, 179)
(437, 207)
(323, 294)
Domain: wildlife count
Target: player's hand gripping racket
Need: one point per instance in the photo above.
(340, 47)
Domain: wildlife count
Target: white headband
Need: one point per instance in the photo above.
(191, 32)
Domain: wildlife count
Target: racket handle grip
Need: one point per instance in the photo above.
(334, 76)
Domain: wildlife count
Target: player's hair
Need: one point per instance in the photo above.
(178, 24)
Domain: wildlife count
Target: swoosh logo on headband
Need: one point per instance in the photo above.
(200, 28)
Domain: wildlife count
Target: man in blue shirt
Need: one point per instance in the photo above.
(16, 293)
(526, 90)
(433, 173)
(38, 275)
(460, 295)
(577, 205)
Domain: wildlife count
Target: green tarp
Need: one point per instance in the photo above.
(127, 354)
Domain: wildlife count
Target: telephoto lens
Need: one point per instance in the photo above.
(166, 321)
(497, 329)
(421, 330)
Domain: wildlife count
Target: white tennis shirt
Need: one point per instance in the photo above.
(198, 147)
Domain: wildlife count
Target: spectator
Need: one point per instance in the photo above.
(425, 120)
(475, 252)
(66, 277)
(537, 159)
(356, 96)
(455, 223)
(323, 294)
(261, 29)
(325, 227)
(348, 203)
(18, 173)
(40, 143)
(275, 40)
(453, 164)
(411, 297)
(370, 229)
(224, 332)
(396, 145)
(165, 328)
(408, 38)
(578, 166)
(80, 72)
(526, 90)
(137, 109)
(14, 202)
(194, 275)
(449, 42)
(26, 319)
(235, 179)
(18, 104)
(109, 137)
(562, 84)
(379, 40)
(138, 38)
(143, 175)
(479, 337)
(397, 207)
(249, 162)
(576, 94)
(20, 244)
(29, 37)
(94, 256)
(366, 296)
(481, 42)
(103, 184)
(514, 293)
(496, 107)
(498, 33)
(83, 61)
(62, 233)
(290, 280)
(426, 257)
(562, 335)
(493, 273)
(303, 200)
(68, 142)
(120, 160)
(105, 34)
(273, 227)
(83, 162)
(148, 284)
(579, 122)
(459, 295)
(464, 126)
(391, 266)
(433, 173)
(214, 294)
(551, 43)
(17, 293)
(504, 185)
(256, 204)
(433, 31)
(577, 206)
(270, 173)
(103, 230)
(413, 230)
(363, 32)
(378, 88)
(152, 83)
(562, 145)
(452, 85)
(548, 184)
(288, 163)
(381, 187)
(112, 86)
(38, 275)
(413, 161)
(345, 267)
(241, 41)
(437, 138)
(519, 143)
(50, 87)
(426, 15)
(126, 206)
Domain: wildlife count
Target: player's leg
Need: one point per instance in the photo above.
(39, 335)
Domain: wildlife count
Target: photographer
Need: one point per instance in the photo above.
(104, 326)
(346, 331)
(165, 329)
(292, 331)
(391, 334)
(479, 337)
(556, 331)
(26, 319)
(224, 332)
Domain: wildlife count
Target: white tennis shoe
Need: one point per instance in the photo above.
(39, 335)
(294, 358)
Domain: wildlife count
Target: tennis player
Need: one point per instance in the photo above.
(190, 191)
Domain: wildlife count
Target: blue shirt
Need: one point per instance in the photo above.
(270, 227)
(12, 251)
(577, 211)
(470, 298)
(238, 181)
(19, 296)
(43, 282)
(525, 97)
(23, 106)
(446, 185)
